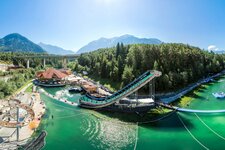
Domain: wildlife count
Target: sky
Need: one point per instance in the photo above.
(72, 24)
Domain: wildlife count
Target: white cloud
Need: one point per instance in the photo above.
(212, 48)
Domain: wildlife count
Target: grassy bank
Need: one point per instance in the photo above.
(5, 62)
(113, 86)
(29, 89)
(187, 99)
(119, 117)
(28, 82)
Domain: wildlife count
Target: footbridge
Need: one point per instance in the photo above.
(190, 110)
(89, 101)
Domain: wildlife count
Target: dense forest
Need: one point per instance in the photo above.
(17, 79)
(180, 64)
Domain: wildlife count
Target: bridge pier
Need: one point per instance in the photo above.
(64, 63)
(28, 63)
(44, 63)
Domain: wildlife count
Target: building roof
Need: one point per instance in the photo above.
(89, 87)
(66, 71)
(51, 73)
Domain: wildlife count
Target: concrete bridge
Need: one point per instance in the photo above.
(44, 57)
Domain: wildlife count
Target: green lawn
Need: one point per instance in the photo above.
(5, 62)
(18, 90)
(29, 89)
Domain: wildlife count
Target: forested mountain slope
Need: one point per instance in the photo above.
(180, 64)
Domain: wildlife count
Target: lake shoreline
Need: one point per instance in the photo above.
(180, 93)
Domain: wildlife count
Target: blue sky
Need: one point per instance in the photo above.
(73, 23)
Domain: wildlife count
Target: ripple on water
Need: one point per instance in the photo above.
(221, 80)
(108, 134)
(95, 131)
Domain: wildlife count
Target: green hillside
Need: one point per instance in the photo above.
(180, 64)
(18, 43)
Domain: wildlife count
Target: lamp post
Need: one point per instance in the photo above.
(28, 63)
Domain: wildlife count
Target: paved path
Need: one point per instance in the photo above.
(190, 88)
(190, 110)
(200, 111)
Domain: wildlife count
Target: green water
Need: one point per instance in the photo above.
(74, 128)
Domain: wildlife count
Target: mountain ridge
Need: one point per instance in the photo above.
(110, 42)
(52, 49)
(218, 51)
(15, 42)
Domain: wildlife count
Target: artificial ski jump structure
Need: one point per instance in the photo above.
(88, 101)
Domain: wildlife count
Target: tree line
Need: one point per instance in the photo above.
(11, 58)
(180, 64)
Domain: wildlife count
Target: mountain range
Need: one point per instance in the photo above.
(219, 51)
(110, 42)
(17, 43)
(51, 49)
